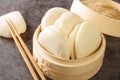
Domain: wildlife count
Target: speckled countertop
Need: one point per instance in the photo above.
(12, 66)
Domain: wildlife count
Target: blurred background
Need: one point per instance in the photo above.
(12, 66)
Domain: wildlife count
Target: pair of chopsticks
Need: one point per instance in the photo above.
(25, 52)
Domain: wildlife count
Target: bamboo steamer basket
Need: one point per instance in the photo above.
(105, 24)
(61, 69)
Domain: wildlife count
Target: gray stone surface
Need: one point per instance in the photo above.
(12, 66)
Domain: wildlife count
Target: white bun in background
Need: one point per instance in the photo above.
(51, 16)
(67, 21)
(72, 38)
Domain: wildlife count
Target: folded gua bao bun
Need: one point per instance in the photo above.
(17, 20)
(53, 41)
(52, 15)
(67, 36)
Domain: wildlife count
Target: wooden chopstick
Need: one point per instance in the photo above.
(23, 53)
(23, 45)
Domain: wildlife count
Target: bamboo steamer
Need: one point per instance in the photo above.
(61, 69)
(105, 24)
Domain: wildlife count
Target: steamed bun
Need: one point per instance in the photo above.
(17, 20)
(51, 16)
(68, 21)
(52, 39)
(88, 40)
